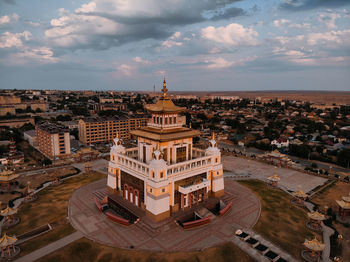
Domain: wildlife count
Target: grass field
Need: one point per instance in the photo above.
(51, 207)
(280, 221)
(88, 251)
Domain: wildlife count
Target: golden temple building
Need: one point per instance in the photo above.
(165, 173)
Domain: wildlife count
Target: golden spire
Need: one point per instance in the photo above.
(164, 90)
(213, 136)
(190, 126)
(118, 135)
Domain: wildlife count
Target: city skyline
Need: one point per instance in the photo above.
(212, 46)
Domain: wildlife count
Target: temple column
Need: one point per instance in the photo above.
(182, 202)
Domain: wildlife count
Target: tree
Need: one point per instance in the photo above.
(343, 157)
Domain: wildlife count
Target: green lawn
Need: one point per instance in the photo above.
(280, 221)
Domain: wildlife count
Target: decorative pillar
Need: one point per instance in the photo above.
(182, 201)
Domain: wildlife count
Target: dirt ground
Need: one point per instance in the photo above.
(86, 250)
(332, 193)
(6, 197)
(327, 198)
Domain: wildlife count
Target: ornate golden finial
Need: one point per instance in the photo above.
(164, 90)
(190, 126)
(213, 136)
(158, 147)
(118, 135)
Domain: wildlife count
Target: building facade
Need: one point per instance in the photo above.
(165, 173)
(53, 140)
(104, 130)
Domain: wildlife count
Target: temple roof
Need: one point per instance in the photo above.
(343, 204)
(346, 198)
(316, 216)
(314, 244)
(163, 135)
(299, 193)
(275, 178)
(7, 175)
(8, 211)
(164, 104)
(7, 240)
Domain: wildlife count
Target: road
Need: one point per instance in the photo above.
(303, 162)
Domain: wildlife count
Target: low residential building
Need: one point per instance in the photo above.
(281, 142)
(70, 124)
(30, 136)
(16, 122)
(105, 129)
(53, 140)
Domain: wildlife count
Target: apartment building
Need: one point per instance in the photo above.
(53, 140)
(105, 129)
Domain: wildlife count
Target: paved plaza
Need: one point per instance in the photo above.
(290, 179)
(166, 235)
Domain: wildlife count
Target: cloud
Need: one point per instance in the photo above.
(10, 2)
(140, 60)
(220, 63)
(300, 5)
(8, 19)
(281, 22)
(41, 55)
(101, 24)
(300, 26)
(226, 13)
(331, 39)
(328, 19)
(232, 35)
(125, 70)
(173, 41)
(9, 40)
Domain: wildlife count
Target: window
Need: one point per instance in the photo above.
(161, 174)
(161, 120)
(150, 190)
(165, 154)
(180, 154)
(174, 119)
(166, 120)
(170, 120)
(152, 174)
(163, 190)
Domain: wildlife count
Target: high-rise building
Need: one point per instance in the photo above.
(165, 173)
(104, 129)
(53, 140)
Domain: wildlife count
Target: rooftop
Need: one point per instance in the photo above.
(52, 128)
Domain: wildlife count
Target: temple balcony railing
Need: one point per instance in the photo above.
(197, 152)
(131, 164)
(166, 126)
(188, 166)
(132, 152)
(194, 187)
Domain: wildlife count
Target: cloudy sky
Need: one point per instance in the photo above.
(196, 44)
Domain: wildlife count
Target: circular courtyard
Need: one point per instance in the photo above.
(165, 235)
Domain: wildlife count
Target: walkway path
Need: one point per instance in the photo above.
(51, 247)
(327, 232)
(165, 236)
